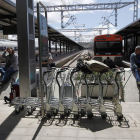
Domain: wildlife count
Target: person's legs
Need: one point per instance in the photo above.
(7, 74)
(2, 71)
(0, 61)
(137, 76)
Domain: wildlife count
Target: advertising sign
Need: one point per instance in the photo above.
(43, 37)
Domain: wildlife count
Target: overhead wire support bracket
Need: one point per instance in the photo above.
(81, 30)
(135, 16)
(87, 7)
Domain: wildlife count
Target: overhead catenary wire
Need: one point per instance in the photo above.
(63, 2)
(106, 20)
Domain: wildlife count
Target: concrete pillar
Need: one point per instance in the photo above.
(49, 45)
(70, 48)
(56, 48)
(26, 47)
(63, 48)
(125, 46)
(134, 42)
(60, 48)
(66, 47)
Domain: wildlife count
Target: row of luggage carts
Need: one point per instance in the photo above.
(62, 92)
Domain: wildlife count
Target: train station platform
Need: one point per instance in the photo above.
(23, 127)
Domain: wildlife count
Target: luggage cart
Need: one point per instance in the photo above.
(52, 103)
(30, 103)
(92, 103)
(116, 106)
(97, 104)
(80, 105)
(64, 97)
(115, 78)
(55, 104)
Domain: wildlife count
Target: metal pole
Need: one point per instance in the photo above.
(49, 45)
(66, 47)
(60, 47)
(115, 17)
(47, 34)
(56, 48)
(62, 19)
(40, 55)
(75, 35)
(63, 48)
(135, 16)
(40, 64)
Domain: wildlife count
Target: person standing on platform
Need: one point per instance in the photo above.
(50, 58)
(135, 64)
(11, 65)
(109, 62)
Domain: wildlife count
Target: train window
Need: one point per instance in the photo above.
(115, 47)
(101, 47)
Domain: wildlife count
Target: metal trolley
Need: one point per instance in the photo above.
(72, 103)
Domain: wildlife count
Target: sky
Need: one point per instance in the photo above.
(91, 19)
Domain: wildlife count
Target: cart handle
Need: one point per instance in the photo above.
(58, 72)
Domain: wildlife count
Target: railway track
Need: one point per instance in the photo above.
(73, 62)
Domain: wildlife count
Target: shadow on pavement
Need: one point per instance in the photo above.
(9, 124)
(95, 124)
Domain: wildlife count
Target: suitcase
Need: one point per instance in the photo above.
(15, 87)
(14, 92)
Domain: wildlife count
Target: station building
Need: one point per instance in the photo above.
(3, 36)
(131, 37)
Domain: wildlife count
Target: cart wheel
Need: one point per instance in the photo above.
(104, 116)
(90, 115)
(120, 117)
(67, 112)
(76, 116)
(83, 112)
(62, 116)
(22, 108)
(17, 111)
(49, 115)
(55, 112)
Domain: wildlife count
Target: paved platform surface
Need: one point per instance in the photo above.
(21, 127)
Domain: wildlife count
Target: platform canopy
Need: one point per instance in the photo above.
(8, 23)
(130, 29)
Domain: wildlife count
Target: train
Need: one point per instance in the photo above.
(7, 43)
(108, 46)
